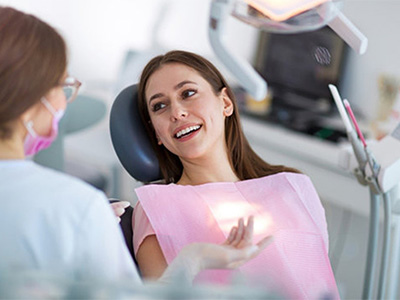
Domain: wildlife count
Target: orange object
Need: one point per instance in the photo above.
(280, 10)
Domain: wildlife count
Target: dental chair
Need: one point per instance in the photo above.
(133, 148)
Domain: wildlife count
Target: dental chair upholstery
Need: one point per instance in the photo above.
(130, 139)
(127, 231)
(133, 148)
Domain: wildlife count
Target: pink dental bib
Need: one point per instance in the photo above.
(286, 205)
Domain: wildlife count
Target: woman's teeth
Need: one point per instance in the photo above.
(186, 131)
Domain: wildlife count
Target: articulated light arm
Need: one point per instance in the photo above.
(348, 32)
(243, 71)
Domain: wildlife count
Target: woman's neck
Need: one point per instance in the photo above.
(11, 148)
(205, 170)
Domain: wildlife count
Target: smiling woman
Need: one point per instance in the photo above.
(177, 79)
(187, 115)
(213, 177)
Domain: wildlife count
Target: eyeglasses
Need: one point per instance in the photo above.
(70, 88)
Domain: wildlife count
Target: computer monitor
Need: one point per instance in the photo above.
(299, 67)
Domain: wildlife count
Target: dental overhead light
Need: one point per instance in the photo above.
(277, 16)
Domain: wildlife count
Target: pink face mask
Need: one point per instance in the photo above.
(34, 142)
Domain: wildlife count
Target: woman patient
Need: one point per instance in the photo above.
(212, 177)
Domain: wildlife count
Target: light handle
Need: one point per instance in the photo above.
(349, 32)
(254, 84)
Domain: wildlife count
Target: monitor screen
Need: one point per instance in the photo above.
(303, 63)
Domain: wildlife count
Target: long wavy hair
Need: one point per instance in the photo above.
(244, 161)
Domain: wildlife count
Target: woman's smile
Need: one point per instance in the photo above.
(187, 132)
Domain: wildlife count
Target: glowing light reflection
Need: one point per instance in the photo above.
(280, 10)
(227, 215)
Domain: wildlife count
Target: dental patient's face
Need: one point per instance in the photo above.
(187, 116)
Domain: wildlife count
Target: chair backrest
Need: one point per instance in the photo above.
(127, 230)
(130, 139)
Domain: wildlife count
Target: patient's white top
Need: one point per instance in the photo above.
(55, 223)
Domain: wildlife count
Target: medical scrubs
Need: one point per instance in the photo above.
(51, 222)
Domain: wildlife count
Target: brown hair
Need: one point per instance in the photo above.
(244, 161)
(33, 60)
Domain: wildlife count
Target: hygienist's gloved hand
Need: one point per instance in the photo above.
(119, 208)
(234, 252)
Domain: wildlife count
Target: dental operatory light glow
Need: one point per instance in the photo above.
(227, 213)
(280, 10)
(286, 16)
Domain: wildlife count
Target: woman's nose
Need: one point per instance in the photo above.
(178, 112)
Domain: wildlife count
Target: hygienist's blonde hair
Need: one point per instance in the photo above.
(244, 161)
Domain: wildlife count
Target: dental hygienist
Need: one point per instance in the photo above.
(50, 221)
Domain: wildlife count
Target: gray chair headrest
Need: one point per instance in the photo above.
(130, 139)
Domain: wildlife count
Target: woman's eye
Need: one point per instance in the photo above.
(158, 106)
(188, 93)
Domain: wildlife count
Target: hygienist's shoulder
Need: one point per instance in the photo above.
(67, 187)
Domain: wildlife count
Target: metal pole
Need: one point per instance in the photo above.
(386, 245)
(372, 246)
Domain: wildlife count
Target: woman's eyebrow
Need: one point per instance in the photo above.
(155, 96)
(178, 86)
(181, 84)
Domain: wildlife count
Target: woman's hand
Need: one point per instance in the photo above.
(234, 252)
(241, 236)
(119, 208)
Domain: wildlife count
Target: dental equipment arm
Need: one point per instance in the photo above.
(351, 135)
(359, 171)
(243, 71)
(240, 68)
(381, 179)
(348, 32)
(386, 152)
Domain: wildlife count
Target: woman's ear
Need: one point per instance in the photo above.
(227, 102)
(157, 137)
(158, 140)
